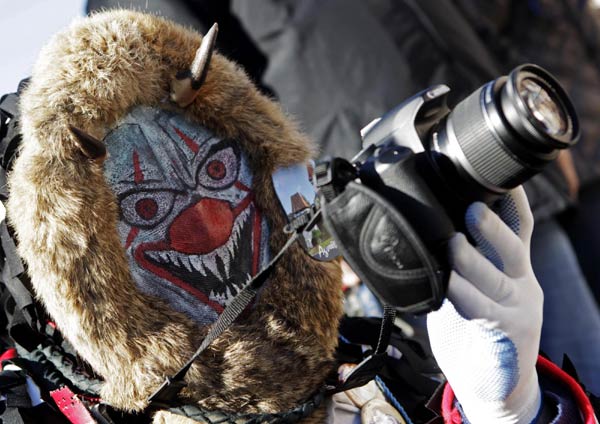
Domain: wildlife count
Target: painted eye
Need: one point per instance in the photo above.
(146, 208)
(220, 170)
(216, 170)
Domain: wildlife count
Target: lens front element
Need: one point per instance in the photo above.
(544, 107)
(509, 130)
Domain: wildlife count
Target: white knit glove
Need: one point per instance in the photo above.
(486, 335)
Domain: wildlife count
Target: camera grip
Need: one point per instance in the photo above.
(384, 250)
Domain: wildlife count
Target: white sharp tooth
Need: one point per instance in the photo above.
(197, 264)
(228, 270)
(230, 247)
(173, 258)
(210, 262)
(164, 256)
(217, 297)
(187, 263)
(226, 258)
(244, 215)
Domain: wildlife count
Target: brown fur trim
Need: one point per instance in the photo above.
(65, 217)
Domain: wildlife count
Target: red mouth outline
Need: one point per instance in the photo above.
(163, 273)
(140, 257)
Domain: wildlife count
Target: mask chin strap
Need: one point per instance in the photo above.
(166, 395)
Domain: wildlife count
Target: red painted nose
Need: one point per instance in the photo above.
(202, 227)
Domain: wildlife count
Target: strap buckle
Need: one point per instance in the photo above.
(166, 394)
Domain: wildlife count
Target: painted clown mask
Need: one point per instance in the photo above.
(191, 230)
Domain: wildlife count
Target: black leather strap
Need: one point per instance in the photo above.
(383, 249)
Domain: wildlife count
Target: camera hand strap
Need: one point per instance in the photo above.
(384, 249)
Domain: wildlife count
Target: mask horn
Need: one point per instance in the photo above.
(185, 85)
(90, 146)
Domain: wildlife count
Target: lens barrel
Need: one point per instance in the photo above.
(509, 129)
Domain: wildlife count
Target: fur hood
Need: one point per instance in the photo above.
(65, 217)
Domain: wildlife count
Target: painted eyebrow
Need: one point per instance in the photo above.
(147, 189)
(221, 144)
(127, 185)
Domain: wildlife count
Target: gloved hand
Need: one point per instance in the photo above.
(486, 335)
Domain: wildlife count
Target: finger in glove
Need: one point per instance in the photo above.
(496, 241)
(467, 261)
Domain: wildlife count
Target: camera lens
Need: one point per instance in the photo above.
(509, 129)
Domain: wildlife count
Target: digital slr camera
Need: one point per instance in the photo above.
(393, 208)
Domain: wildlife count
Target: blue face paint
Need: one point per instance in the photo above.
(191, 230)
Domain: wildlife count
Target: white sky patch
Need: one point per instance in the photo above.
(25, 26)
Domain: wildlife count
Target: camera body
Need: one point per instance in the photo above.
(394, 208)
(397, 164)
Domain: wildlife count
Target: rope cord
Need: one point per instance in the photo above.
(390, 397)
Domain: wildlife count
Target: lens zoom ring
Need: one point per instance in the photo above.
(481, 146)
